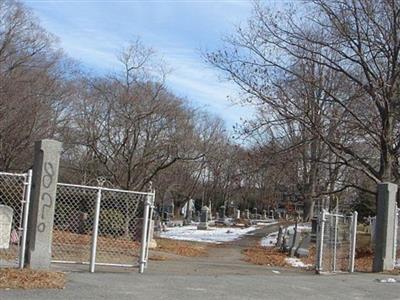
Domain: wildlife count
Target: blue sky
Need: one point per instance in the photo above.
(94, 31)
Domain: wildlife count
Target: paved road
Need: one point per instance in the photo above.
(151, 285)
(221, 275)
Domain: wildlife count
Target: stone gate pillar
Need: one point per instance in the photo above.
(42, 203)
(385, 227)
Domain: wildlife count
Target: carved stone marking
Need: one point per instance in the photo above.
(42, 205)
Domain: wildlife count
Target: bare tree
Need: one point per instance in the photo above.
(331, 67)
(32, 86)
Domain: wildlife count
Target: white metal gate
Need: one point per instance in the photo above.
(101, 226)
(15, 192)
(336, 242)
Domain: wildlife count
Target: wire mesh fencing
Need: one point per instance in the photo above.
(336, 242)
(73, 223)
(102, 226)
(14, 204)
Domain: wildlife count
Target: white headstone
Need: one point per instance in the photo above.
(6, 216)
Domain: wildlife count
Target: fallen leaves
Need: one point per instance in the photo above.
(265, 256)
(30, 279)
(181, 248)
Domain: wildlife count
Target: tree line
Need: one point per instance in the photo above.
(125, 126)
(322, 75)
(325, 78)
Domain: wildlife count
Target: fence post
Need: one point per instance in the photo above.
(142, 261)
(335, 241)
(149, 230)
(385, 218)
(42, 203)
(95, 232)
(321, 241)
(353, 241)
(27, 196)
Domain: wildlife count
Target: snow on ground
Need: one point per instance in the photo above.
(270, 240)
(212, 235)
(297, 263)
(266, 223)
(300, 228)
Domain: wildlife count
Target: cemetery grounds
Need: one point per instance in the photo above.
(225, 263)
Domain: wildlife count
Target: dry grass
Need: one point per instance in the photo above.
(29, 279)
(273, 257)
(365, 258)
(76, 247)
(157, 257)
(123, 243)
(181, 248)
(265, 256)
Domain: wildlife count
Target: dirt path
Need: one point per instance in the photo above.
(226, 258)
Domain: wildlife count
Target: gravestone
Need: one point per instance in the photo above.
(187, 211)
(6, 217)
(302, 249)
(265, 214)
(295, 241)
(203, 225)
(42, 203)
(222, 213)
(287, 241)
(237, 214)
(157, 227)
(247, 214)
(255, 213)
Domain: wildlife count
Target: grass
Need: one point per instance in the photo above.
(181, 248)
(29, 279)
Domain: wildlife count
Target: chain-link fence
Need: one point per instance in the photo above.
(336, 242)
(103, 226)
(14, 204)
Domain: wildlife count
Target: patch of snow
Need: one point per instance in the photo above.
(270, 240)
(276, 272)
(297, 263)
(212, 235)
(387, 280)
(300, 228)
(266, 222)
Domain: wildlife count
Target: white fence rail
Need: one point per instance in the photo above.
(336, 242)
(15, 192)
(101, 226)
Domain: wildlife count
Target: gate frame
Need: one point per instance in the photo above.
(320, 240)
(26, 196)
(147, 217)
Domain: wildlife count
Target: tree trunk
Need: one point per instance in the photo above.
(308, 213)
